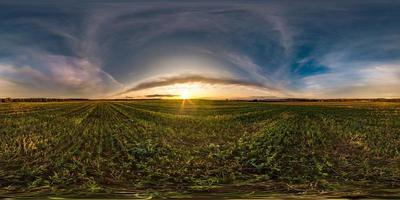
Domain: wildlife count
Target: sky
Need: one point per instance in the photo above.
(200, 49)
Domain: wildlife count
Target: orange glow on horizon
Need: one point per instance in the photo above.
(186, 91)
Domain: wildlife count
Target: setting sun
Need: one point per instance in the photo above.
(185, 94)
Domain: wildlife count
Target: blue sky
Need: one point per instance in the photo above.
(95, 49)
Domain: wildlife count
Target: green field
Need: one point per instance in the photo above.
(222, 146)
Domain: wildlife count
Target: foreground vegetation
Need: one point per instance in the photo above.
(104, 146)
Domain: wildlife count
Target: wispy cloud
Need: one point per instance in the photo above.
(373, 80)
(62, 76)
(49, 59)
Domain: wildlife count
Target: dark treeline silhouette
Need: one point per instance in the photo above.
(325, 100)
(8, 100)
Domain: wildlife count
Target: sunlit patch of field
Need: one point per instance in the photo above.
(198, 145)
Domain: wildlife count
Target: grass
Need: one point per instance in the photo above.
(105, 146)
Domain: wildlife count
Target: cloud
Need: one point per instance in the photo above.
(118, 39)
(144, 32)
(373, 80)
(161, 95)
(245, 63)
(193, 78)
(50, 54)
(60, 76)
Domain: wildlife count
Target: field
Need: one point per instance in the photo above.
(197, 146)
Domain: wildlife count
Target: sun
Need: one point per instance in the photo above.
(185, 94)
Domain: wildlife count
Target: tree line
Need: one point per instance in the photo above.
(327, 100)
(9, 100)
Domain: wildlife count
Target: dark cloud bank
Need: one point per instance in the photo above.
(193, 79)
(161, 95)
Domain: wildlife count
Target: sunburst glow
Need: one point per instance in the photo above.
(185, 94)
